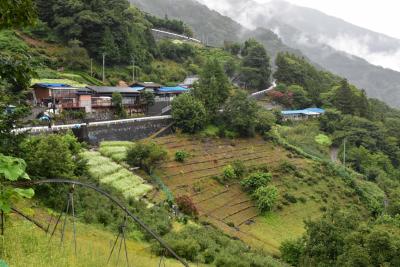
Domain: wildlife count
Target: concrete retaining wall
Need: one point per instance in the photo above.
(118, 130)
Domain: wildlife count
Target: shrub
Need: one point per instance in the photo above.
(188, 113)
(291, 251)
(180, 156)
(266, 197)
(186, 205)
(256, 180)
(290, 198)
(210, 131)
(228, 173)
(145, 155)
(287, 167)
(264, 121)
(239, 168)
(53, 156)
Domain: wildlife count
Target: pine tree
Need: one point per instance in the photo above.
(344, 98)
(213, 87)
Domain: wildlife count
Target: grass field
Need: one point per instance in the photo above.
(108, 172)
(25, 245)
(302, 135)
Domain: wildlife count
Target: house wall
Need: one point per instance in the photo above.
(41, 94)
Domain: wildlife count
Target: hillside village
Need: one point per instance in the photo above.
(127, 140)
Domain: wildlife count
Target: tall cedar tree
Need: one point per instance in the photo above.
(344, 98)
(256, 68)
(213, 87)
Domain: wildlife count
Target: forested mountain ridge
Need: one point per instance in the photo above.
(210, 26)
(379, 82)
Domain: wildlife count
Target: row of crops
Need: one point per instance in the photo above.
(116, 150)
(109, 172)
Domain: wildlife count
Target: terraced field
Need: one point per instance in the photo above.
(116, 175)
(302, 185)
(230, 208)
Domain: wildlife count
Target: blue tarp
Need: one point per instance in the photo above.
(307, 111)
(48, 85)
(176, 89)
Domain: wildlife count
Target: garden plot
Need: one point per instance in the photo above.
(108, 172)
(116, 150)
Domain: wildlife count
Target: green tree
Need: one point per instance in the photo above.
(256, 68)
(291, 251)
(52, 156)
(256, 180)
(264, 121)
(213, 87)
(118, 105)
(240, 114)
(344, 98)
(147, 98)
(188, 113)
(145, 156)
(266, 197)
(17, 13)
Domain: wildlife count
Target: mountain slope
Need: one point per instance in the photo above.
(209, 25)
(321, 42)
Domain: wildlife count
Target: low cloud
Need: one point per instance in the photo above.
(360, 47)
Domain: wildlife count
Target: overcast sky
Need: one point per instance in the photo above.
(382, 16)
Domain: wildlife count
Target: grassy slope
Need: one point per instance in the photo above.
(27, 246)
(302, 135)
(221, 205)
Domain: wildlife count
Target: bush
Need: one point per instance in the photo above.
(256, 180)
(291, 251)
(266, 197)
(186, 205)
(287, 167)
(188, 113)
(180, 156)
(145, 155)
(53, 156)
(239, 168)
(264, 121)
(290, 198)
(210, 131)
(228, 173)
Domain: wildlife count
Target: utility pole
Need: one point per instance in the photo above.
(104, 61)
(344, 152)
(91, 67)
(133, 69)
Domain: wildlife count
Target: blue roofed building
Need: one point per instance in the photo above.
(302, 114)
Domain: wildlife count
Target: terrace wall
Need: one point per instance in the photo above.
(118, 130)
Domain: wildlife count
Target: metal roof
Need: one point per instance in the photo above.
(175, 89)
(146, 85)
(307, 111)
(48, 85)
(110, 89)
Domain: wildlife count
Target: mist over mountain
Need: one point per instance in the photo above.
(376, 48)
(358, 54)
